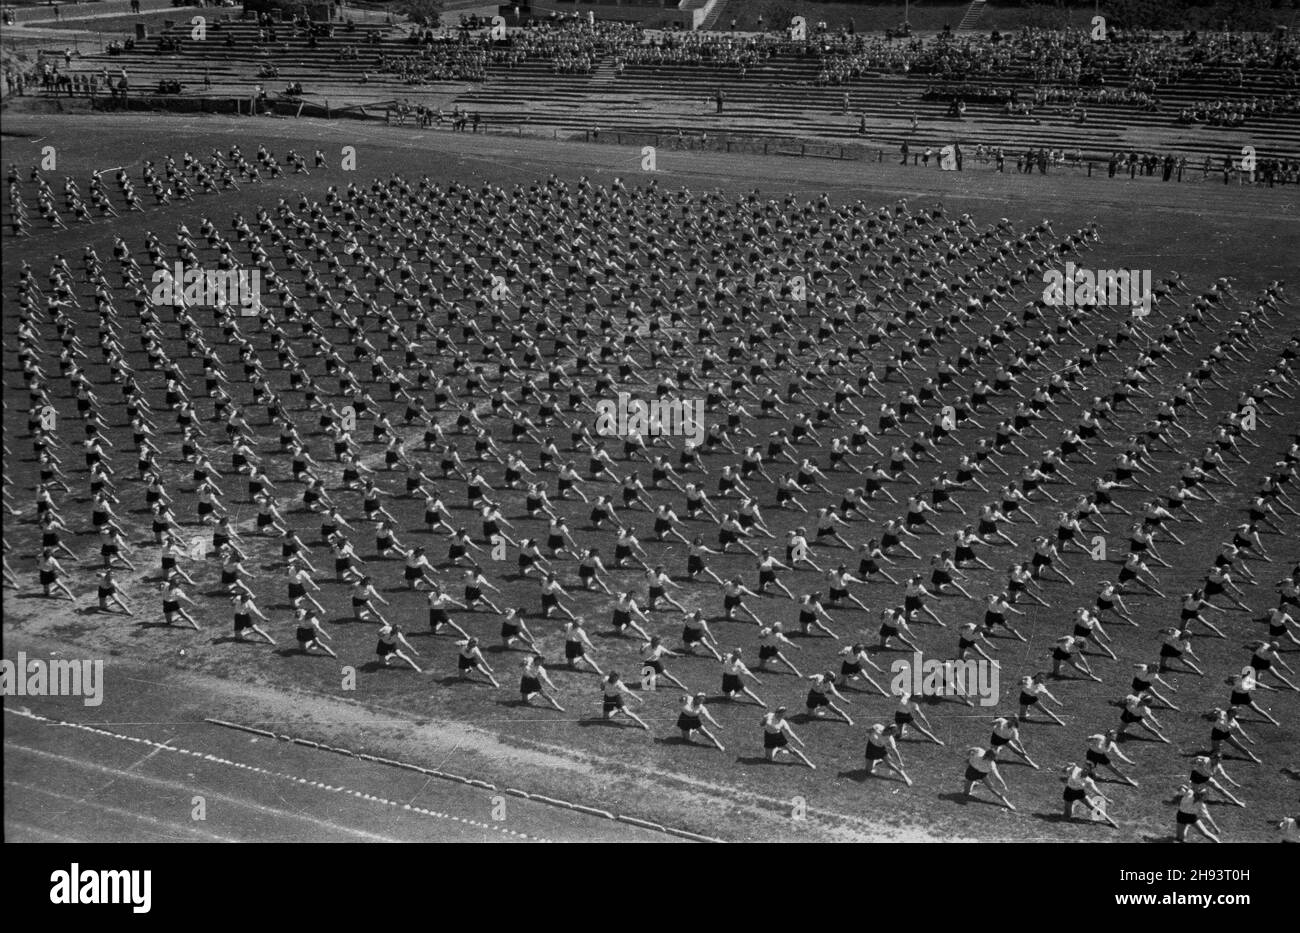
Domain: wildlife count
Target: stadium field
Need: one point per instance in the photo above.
(165, 682)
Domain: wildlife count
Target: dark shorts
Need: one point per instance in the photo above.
(816, 700)
(731, 683)
(774, 739)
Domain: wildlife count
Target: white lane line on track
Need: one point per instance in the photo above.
(27, 714)
(117, 811)
(114, 772)
(187, 789)
(39, 834)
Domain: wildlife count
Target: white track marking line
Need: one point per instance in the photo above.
(129, 814)
(44, 835)
(27, 714)
(166, 783)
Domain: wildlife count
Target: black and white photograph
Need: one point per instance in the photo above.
(652, 421)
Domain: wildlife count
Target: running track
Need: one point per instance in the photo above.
(68, 784)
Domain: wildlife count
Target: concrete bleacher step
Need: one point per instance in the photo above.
(779, 95)
(972, 16)
(714, 16)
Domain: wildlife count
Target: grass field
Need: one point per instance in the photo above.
(1203, 231)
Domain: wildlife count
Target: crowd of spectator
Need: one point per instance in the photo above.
(1136, 164)
(1239, 111)
(447, 61)
(1015, 99)
(1020, 73)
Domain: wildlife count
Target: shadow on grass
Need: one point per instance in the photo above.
(963, 800)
